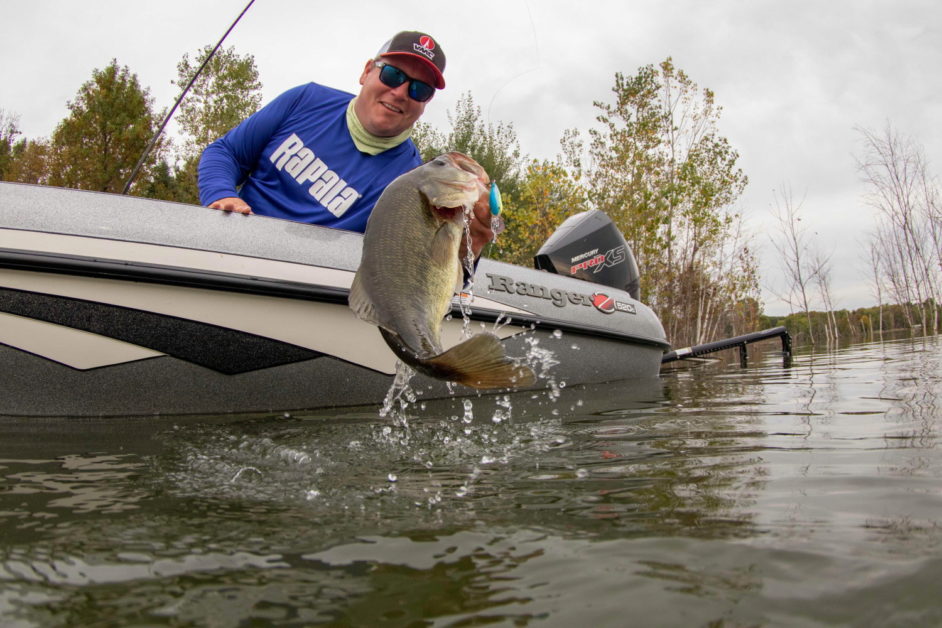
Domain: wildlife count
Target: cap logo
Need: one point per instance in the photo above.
(426, 42)
(422, 50)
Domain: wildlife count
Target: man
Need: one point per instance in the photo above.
(322, 156)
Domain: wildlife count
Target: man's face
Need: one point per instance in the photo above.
(388, 111)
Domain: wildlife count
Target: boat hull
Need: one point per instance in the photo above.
(113, 305)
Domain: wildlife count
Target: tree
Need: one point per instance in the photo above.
(666, 177)
(821, 264)
(110, 124)
(908, 236)
(793, 252)
(9, 129)
(30, 162)
(546, 196)
(495, 147)
(226, 92)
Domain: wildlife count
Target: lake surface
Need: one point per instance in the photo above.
(714, 496)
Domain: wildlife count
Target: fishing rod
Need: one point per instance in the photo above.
(153, 141)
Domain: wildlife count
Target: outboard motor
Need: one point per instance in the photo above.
(590, 247)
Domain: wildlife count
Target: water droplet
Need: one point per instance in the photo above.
(392, 477)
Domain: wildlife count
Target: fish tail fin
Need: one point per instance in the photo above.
(480, 362)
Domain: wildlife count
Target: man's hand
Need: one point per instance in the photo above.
(231, 204)
(480, 227)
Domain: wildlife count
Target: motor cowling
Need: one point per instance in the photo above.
(590, 247)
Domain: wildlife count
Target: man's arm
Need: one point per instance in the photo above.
(226, 163)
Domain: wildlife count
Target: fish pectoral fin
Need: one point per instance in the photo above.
(361, 303)
(480, 362)
(444, 248)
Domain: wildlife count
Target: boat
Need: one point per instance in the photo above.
(113, 305)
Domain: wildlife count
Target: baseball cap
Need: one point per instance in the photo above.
(416, 44)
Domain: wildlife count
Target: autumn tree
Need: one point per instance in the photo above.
(30, 162)
(545, 197)
(110, 123)
(664, 174)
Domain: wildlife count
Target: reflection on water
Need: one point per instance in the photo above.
(713, 496)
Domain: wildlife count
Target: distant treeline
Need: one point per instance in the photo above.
(862, 324)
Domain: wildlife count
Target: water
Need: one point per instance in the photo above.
(715, 496)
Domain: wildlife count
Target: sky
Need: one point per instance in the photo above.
(796, 80)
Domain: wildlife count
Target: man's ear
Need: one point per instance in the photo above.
(366, 71)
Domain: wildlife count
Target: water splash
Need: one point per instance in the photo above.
(541, 359)
(400, 396)
(503, 411)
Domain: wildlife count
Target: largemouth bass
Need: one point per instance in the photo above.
(410, 270)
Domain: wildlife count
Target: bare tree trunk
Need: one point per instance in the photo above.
(794, 249)
(906, 199)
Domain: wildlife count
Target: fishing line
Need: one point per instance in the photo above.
(539, 61)
(140, 162)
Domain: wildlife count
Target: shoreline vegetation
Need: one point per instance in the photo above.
(861, 324)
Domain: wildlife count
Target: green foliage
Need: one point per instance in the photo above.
(9, 129)
(161, 183)
(429, 140)
(185, 181)
(546, 196)
(110, 124)
(226, 92)
(666, 177)
(867, 323)
(495, 147)
(29, 162)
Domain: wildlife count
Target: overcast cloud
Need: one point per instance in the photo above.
(794, 78)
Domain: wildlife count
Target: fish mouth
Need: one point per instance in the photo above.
(449, 213)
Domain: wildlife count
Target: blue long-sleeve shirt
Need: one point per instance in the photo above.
(295, 159)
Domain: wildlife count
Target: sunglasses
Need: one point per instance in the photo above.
(391, 76)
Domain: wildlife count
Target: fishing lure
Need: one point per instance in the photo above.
(497, 206)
